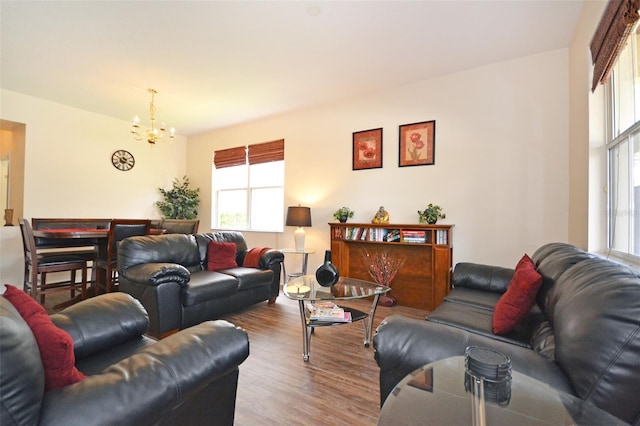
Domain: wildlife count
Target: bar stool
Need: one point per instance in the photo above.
(38, 265)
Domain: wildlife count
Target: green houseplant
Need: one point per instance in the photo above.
(342, 214)
(179, 202)
(431, 214)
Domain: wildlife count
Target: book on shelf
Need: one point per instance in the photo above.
(442, 236)
(413, 236)
(393, 235)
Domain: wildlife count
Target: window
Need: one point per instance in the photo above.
(248, 187)
(623, 147)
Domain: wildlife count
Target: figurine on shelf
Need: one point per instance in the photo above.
(382, 216)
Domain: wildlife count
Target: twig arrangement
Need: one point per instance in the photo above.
(381, 266)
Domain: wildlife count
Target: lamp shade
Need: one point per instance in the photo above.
(298, 216)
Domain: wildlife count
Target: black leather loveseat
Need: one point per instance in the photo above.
(189, 378)
(582, 335)
(168, 275)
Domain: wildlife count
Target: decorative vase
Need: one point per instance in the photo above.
(432, 221)
(343, 218)
(327, 274)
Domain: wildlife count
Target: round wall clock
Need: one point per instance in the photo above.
(123, 160)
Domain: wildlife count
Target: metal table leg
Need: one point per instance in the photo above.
(368, 322)
(306, 335)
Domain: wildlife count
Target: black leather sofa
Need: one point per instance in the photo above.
(582, 336)
(168, 275)
(189, 378)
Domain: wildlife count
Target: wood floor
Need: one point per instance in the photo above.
(338, 386)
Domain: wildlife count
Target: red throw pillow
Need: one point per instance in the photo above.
(252, 258)
(520, 296)
(55, 344)
(221, 256)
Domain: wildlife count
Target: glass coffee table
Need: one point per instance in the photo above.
(438, 394)
(305, 289)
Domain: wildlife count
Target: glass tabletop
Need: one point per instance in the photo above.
(438, 394)
(306, 287)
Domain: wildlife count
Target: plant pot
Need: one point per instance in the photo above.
(343, 218)
(432, 221)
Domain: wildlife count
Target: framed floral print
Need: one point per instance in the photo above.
(417, 144)
(367, 149)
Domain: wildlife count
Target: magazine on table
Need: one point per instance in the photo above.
(327, 311)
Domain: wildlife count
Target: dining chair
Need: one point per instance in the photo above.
(180, 226)
(106, 264)
(82, 247)
(38, 265)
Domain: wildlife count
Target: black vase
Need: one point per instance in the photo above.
(327, 274)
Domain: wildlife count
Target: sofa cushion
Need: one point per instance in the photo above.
(520, 296)
(180, 249)
(248, 278)
(221, 256)
(207, 285)
(476, 320)
(473, 297)
(21, 370)
(552, 260)
(55, 345)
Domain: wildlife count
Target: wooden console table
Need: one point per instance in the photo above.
(424, 279)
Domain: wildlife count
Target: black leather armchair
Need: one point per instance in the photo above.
(189, 378)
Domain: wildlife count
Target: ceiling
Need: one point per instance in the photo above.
(219, 63)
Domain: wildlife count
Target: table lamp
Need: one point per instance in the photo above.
(299, 216)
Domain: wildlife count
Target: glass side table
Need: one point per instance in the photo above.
(305, 260)
(305, 289)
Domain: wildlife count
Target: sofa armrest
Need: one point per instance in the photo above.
(403, 344)
(157, 273)
(271, 258)
(102, 322)
(481, 277)
(147, 386)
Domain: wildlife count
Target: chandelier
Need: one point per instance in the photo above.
(152, 134)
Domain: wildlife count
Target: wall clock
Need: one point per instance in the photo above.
(123, 160)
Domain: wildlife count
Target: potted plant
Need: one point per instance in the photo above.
(431, 214)
(342, 214)
(180, 202)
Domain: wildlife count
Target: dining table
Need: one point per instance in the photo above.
(76, 237)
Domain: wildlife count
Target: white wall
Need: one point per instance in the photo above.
(500, 168)
(68, 171)
(587, 161)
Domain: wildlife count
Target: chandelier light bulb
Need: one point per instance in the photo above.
(153, 134)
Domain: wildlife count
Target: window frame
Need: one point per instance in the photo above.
(616, 137)
(273, 153)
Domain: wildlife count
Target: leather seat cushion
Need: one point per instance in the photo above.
(476, 320)
(249, 278)
(473, 297)
(207, 285)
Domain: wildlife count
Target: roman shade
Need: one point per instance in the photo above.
(266, 152)
(230, 157)
(256, 154)
(611, 36)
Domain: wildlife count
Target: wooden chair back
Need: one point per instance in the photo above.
(180, 226)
